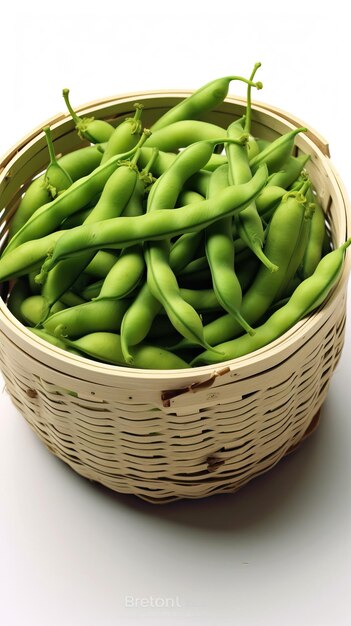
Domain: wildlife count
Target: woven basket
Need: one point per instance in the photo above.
(164, 435)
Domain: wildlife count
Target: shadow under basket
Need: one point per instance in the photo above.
(165, 435)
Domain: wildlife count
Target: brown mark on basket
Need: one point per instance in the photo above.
(167, 395)
(31, 393)
(213, 463)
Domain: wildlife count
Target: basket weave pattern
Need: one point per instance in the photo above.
(230, 433)
(194, 433)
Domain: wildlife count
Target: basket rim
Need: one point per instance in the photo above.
(39, 348)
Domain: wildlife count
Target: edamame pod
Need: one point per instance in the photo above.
(106, 347)
(87, 318)
(96, 131)
(307, 296)
(275, 155)
(48, 217)
(199, 102)
(125, 136)
(124, 231)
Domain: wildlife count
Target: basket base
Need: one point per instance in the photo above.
(168, 500)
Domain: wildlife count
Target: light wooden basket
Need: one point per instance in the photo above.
(164, 435)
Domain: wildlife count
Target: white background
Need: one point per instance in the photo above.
(278, 552)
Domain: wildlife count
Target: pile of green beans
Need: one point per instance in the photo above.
(178, 246)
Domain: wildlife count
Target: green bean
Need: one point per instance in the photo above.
(124, 231)
(165, 289)
(269, 199)
(125, 136)
(262, 144)
(199, 102)
(55, 341)
(32, 309)
(124, 276)
(77, 164)
(165, 159)
(283, 245)
(128, 270)
(314, 248)
(183, 250)
(199, 182)
(160, 276)
(77, 218)
(101, 264)
(134, 205)
(196, 265)
(49, 217)
(114, 198)
(56, 177)
(217, 160)
(106, 347)
(296, 259)
(197, 273)
(292, 168)
(147, 173)
(167, 188)
(86, 318)
(81, 162)
(70, 298)
(184, 133)
(36, 196)
(248, 222)
(219, 247)
(28, 257)
(275, 155)
(309, 295)
(187, 196)
(96, 131)
(129, 331)
(138, 319)
(201, 299)
(252, 147)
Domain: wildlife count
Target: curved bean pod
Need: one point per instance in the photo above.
(125, 136)
(183, 134)
(248, 222)
(125, 231)
(307, 296)
(314, 248)
(287, 230)
(275, 155)
(96, 131)
(106, 347)
(87, 318)
(199, 102)
(27, 257)
(48, 218)
(77, 164)
(114, 198)
(219, 246)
